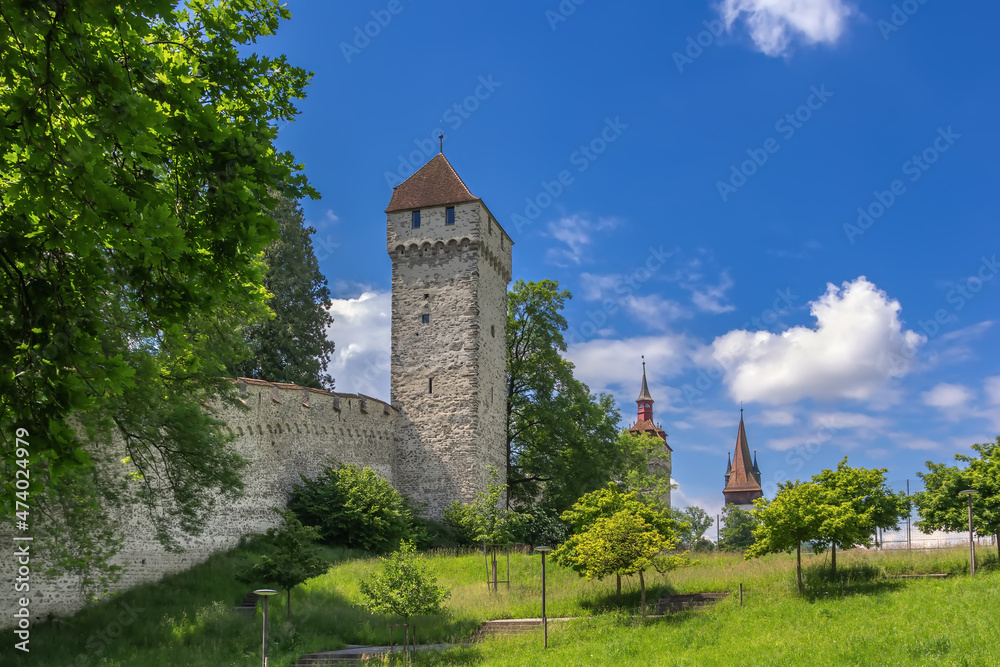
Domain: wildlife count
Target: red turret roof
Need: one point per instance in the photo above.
(742, 483)
(434, 184)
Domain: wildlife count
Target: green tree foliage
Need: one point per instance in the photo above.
(292, 346)
(292, 558)
(858, 501)
(645, 467)
(562, 441)
(695, 522)
(403, 587)
(940, 506)
(795, 515)
(138, 166)
(736, 532)
(623, 543)
(353, 506)
(604, 504)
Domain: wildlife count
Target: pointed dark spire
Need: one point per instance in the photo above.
(644, 392)
(441, 144)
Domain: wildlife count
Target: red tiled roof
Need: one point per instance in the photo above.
(742, 478)
(434, 184)
(647, 426)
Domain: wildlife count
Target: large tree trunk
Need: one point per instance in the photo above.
(642, 595)
(798, 563)
(833, 561)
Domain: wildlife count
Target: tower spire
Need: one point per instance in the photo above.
(441, 144)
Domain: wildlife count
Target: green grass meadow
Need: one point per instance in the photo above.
(863, 617)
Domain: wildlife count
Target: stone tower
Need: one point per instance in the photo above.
(451, 262)
(742, 476)
(644, 424)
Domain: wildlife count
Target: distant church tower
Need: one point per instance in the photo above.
(451, 262)
(742, 477)
(644, 424)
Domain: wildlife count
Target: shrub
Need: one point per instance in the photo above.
(356, 508)
(462, 521)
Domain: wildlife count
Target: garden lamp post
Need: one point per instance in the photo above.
(972, 545)
(265, 593)
(545, 625)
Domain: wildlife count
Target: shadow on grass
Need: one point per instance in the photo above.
(630, 599)
(851, 579)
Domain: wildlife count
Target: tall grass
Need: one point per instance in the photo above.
(859, 617)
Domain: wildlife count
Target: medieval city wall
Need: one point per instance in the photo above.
(283, 431)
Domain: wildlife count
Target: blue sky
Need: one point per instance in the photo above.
(787, 203)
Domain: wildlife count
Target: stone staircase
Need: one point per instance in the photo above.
(249, 604)
(671, 604)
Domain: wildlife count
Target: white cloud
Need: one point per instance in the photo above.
(774, 24)
(856, 347)
(605, 364)
(711, 298)
(577, 233)
(777, 418)
(361, 330)
(654, 311)
(947, 396)
(992, 386)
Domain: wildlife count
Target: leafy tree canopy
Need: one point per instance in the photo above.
(645, 468)
(562, 441)
(697, 521)
(138, 170)
(403, 587)
(857, 502)
(940, 506)
(602, 504)
(736, 533)
(355, 507)
(292, 346)
(795, 515)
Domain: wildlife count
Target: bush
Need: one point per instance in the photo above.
(540, 526)
(356, 508)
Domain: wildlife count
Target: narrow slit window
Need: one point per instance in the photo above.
(430, 385)
(493, 330)
(449, 215)
(415, 219)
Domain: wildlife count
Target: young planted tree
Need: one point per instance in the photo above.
(624, 543)
(403, 587)
(859, 502)
(603, 504)
(736, 533)
(292, 558)
(139, 166)
(795, 515)
(940, 506)
(562, 441)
